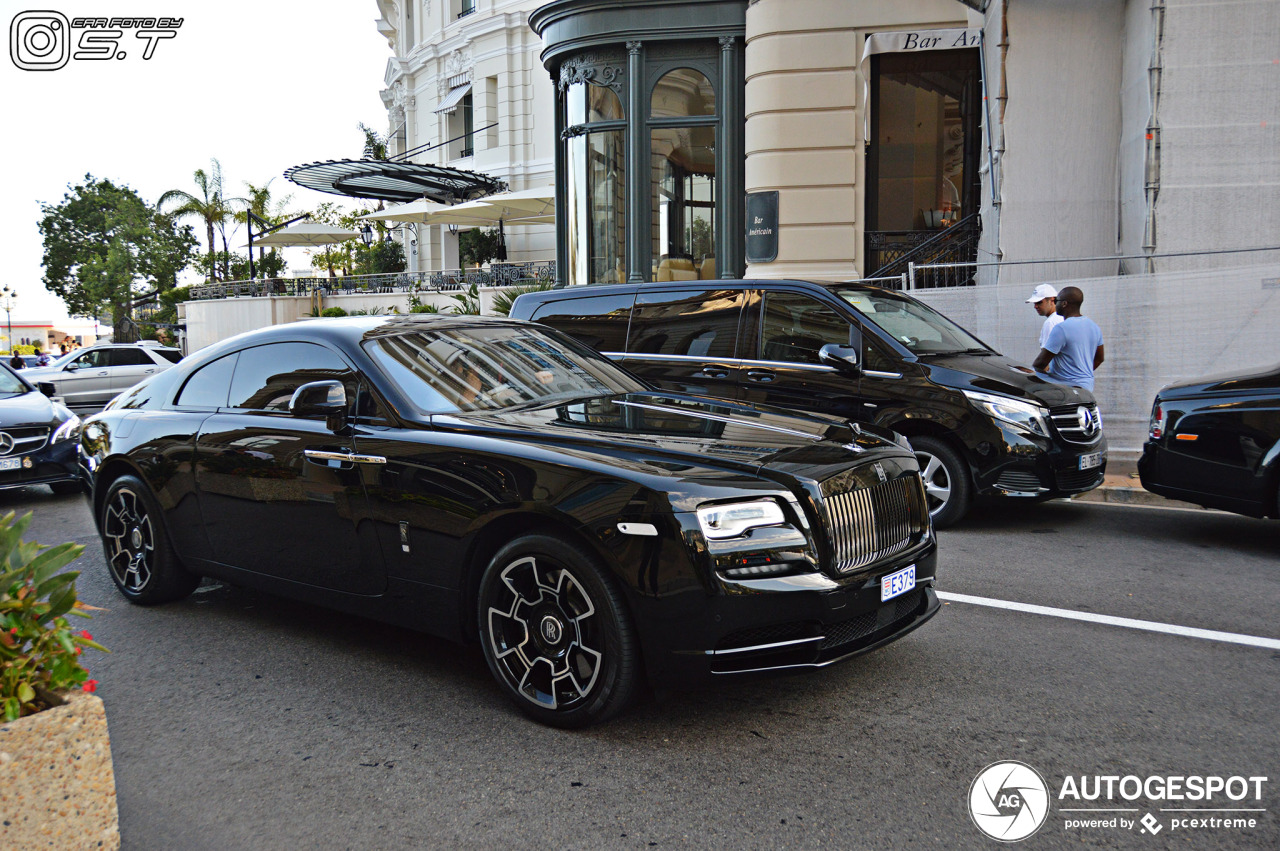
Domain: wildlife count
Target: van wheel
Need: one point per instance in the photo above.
(946, 480)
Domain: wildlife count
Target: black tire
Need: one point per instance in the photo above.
(556, 633)
(140, 557)
(65, 488)
(947, 485)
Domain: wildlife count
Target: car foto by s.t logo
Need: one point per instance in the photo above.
(42, 40)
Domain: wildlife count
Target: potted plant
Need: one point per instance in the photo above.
(55, 756)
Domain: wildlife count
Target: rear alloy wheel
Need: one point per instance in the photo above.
(556, 633)
(140, 558)
(946, 480)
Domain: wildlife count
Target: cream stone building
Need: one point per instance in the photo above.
(465, 88)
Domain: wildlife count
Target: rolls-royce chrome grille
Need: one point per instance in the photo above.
(875, 522)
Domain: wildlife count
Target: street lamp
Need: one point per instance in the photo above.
(7, 298)
(366, 235)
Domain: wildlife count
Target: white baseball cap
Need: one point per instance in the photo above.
(1042, 292)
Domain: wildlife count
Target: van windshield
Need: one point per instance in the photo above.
(923, 330)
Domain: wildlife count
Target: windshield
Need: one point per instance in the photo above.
(11, 385)
(476, 368)
(923, 330)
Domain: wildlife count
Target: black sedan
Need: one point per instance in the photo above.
(494, 480)
(1216, 442)
(37, 437)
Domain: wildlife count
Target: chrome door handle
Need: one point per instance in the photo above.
(761, 375)
(346, 457)
(713, 372)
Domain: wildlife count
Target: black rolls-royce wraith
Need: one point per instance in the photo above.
(495, 480)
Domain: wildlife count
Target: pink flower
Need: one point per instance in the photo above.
(86, 635)
(90, 685)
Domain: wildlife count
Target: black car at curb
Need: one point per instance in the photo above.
(1215, 441)
(37, 437)
(980, 423)
(496, 480)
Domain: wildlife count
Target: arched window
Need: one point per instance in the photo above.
(682, 151)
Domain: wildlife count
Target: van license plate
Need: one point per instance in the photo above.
(896, 584)
(10, 463)
(1093, 459)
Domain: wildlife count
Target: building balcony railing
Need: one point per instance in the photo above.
(444, 280)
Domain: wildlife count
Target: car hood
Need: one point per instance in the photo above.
(688, 430)
(995, 373)
(31, 408)
(41, 373)
(1263, 381)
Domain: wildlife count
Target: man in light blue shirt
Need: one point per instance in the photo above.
(1074, 348)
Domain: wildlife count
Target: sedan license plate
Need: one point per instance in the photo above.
(1093, 459)
(10, 463)
(896, 584)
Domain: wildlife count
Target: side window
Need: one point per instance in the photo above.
(128, 357)
(207, 387)
(266, 376)
(600, 321)
(92, 360)
(795, 326)
(171, 355)
(873, 357)
(699, 323)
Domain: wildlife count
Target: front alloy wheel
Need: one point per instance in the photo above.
(946, 480)
(555, 633)
(139, 556)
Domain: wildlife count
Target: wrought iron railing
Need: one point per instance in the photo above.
(892, 253)
(444, 280)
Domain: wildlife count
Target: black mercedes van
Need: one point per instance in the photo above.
(979, 423)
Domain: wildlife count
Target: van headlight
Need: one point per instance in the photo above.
(737, 518)
(67, 430)
(1026, 416)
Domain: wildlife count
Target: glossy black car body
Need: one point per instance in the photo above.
(416, 508)
(1215, 441)
(37, 437)
(726, 339)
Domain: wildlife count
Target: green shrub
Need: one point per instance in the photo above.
(39, 654)
(333, 311)
(505, 299)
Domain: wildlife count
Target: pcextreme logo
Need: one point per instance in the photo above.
(1009, 801)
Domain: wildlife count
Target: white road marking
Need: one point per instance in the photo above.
(1128, 623)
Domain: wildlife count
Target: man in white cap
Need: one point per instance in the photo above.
(1045, 299)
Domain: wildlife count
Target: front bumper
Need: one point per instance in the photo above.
(56, 462)
(789, 623)
(1023, 465)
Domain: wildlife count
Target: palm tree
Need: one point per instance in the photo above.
(260, 204)
(375, 145)
(208, 205)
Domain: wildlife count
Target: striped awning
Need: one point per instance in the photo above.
(388, 180)
(450, 101)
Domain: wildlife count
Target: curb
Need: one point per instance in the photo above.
(1124, 495)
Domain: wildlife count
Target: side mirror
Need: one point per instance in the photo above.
(71, 367)
(843, 358)
(47, 388)
(326, 399)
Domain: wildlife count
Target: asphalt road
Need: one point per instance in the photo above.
(239, 720)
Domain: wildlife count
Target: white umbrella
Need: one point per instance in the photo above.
(306, 233)
(539, 201)
(415, 211)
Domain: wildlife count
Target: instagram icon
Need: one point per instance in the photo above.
(40, 41)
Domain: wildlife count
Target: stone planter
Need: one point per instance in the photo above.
(57, 787)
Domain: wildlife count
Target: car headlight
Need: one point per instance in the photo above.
(1023, 415)
(730, 521)
(67, 430)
